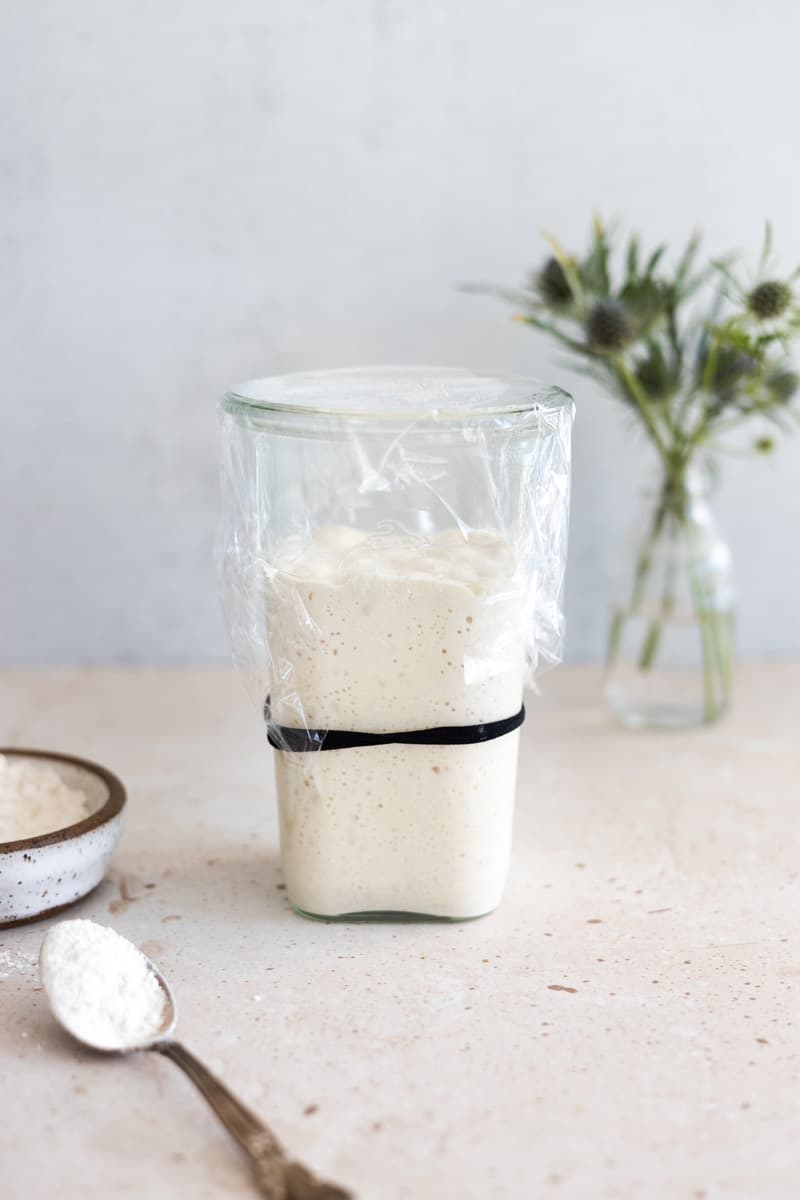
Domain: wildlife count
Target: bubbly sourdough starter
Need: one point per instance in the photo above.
(386, 634)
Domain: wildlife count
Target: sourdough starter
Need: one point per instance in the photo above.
(384, 634)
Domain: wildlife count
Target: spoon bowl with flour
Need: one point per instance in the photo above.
(108, 995)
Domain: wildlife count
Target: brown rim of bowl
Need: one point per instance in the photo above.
(113, 806)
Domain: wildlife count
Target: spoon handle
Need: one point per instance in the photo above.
(277, 1177)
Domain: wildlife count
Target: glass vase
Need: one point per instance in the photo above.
(670, 645)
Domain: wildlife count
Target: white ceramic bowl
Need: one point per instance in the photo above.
(41, 875)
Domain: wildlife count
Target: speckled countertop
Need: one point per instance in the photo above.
(626, 1025)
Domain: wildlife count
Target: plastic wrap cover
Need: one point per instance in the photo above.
(393, 544)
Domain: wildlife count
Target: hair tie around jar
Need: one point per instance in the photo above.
(298, 740)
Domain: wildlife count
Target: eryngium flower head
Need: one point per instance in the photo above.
(552, 284)
(730, 368)
(783, 383)
(769, 299)
(609, 327)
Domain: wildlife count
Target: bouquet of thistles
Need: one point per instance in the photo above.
(694, 350)
(692, 360)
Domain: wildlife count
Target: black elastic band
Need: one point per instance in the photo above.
(289, 737)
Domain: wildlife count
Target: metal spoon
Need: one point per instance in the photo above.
(278, 1176)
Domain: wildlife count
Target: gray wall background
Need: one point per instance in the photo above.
(193, 193)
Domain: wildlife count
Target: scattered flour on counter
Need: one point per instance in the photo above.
(15, 962)
(34, 799)
(100, 985)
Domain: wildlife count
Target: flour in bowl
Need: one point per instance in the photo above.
(34, 799)
(100, 986)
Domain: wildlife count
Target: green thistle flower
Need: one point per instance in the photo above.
(783, 384)
(769, 299)
(552, 284)
(732, 366)
(609, 327)
(654, 374)
(691, 365)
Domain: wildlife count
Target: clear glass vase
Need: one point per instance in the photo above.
(670, 646)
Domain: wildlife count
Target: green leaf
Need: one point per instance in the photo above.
(686, 261)
(777, 418)
(721, 266)
(511, 295)
(632, 257)
(766, 249)
(655, 374)
(736, 338)
(594, 270)
(654, 260)
(646, 300)
(689, 286)
(558, 334)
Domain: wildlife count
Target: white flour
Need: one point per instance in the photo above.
(100, 986)
(34, 799)
(15, 962)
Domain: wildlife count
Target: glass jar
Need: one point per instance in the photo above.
(670, 650)
(393, 551)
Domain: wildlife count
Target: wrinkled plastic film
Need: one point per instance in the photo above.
(388, 573)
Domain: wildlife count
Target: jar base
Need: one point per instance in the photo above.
(386, 916)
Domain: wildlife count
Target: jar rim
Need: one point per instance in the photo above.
(394, 392)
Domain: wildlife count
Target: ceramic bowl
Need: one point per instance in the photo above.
(42, 875)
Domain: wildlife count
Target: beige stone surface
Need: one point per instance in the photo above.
(625, 1026)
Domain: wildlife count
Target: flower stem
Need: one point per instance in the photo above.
(712, 706)
(667, 606)
(648, 654)
(635, 389)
